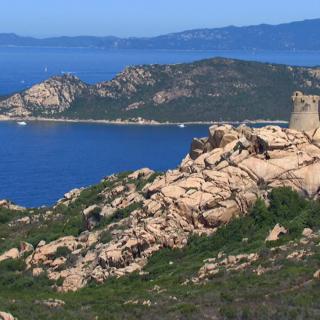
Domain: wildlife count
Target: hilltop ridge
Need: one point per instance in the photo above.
(209, 90)
(298, 35)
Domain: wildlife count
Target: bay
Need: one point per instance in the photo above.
(43, 160)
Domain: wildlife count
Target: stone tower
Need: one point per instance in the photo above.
(305, 115)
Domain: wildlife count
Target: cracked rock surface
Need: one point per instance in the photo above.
(219, 180)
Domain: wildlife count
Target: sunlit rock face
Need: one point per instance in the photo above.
(219, 180)
(48, 98)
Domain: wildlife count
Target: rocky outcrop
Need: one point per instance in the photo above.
(230, 169)
(6, 316)
(166, 96)
(208, 90)
(220, 184)
(213, 266)
(294, 250)
(11, 254)
(125, 83)
(11, 206)
(50, 97)
(51, 303)
(276, 232)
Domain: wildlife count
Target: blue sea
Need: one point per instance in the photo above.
(41, 161)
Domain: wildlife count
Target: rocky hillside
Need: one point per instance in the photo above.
(208, 90)
(300, 35)
(211, 239)
(51, 97)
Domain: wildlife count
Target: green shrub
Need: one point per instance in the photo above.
(186, 308)
(120, 214)
(7, 215)
(105, 237)
(285, 204)
(141, 183)
(260, 213)
(237, 294)
(228, 312)
(62, 252)
(12, 265)
(59, 282)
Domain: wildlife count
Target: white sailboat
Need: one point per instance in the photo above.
(21, 123)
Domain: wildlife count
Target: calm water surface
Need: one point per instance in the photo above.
(41, 161)
(22, 67)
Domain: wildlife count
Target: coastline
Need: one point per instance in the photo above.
(141, 122)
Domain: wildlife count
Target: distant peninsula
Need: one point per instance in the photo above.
(210, 90)
(300, 35)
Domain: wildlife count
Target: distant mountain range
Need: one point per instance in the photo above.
(301, 35)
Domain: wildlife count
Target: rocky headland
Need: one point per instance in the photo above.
(204, 91)
(113, 229)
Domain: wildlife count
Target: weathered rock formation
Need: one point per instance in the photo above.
(6, 316)
(10, 254)
(276, 232)
(9, 205)
(294, 250)
(48, 98)
(126, 82)
(220, 180)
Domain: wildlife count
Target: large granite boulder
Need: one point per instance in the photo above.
(6, 316)
(220, 179)
(11, 254)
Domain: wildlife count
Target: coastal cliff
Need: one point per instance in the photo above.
(209, 90)
(48, 98)
(240, 211)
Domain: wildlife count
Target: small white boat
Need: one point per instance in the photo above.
(21, 123)
(181, 125)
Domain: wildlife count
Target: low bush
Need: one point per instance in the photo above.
(105, 237)
(62, 252)
(285, 292)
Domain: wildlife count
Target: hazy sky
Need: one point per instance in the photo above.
(144, 17)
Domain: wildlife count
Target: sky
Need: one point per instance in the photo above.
(124, 18)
